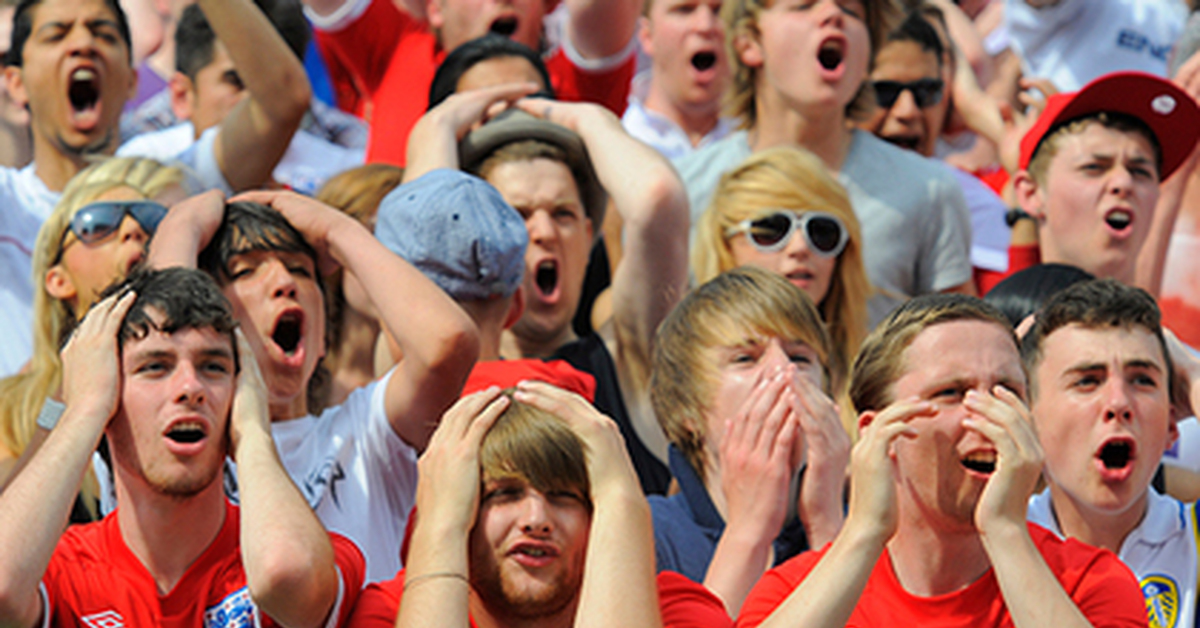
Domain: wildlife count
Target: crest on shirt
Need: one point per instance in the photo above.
(1162, 600)
(235, 611)
(106, 619)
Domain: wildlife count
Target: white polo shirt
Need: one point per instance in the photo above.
(1161, 552)
(25, 203)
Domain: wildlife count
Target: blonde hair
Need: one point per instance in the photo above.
(22, 395)
(734, 306)
(789, 178)
(741, 20)
(1048, 147)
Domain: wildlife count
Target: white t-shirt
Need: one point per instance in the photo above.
(660, 132)
(356, 473)
(990, 235)
(25, 203)
(308, 163)
(1075, 41)
(1161, 552)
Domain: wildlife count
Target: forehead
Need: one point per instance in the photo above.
(498, 71)
(527, 179)
(1095, 138)
(66, 11)
(182, 343)
(905, 61)
(1074, 345)
(970, 350)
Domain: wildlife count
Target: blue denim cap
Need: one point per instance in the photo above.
(459, 231)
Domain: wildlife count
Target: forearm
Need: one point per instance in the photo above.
(34, 510)
(436, 599)
(738, 562)
(1152, 259)
(1033, 596)
(285, 550)
(619, 587)
(601, 28)
(829, 593)
(432, 144)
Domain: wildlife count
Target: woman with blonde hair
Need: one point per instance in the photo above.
(96, 233)
(781, 210)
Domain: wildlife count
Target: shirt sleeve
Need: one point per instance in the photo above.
(947, 262)
(1107, 593)
(602, 81)
(201, 161)
(364, 34)
(686, 604)
(1030, 28)
(774, 587)
(352, 568)
(378, 605)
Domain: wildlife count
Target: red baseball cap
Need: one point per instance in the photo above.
(1170, 113)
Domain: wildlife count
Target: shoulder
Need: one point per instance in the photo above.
(686, 604)
(378, 604)
(718, 156)
(776, 585)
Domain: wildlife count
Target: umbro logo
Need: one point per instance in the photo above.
(107, 619)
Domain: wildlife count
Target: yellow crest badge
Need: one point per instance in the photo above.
(1162, 600)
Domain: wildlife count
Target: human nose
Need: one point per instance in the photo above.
(1117, 403)
(906, 107)
(191, 389)
(541, 227)
(1120, 181)
(81, 40)
(131, 230)
(534, 518)
(775, 359)
(830, 13)
(281, 283)
(706, 19)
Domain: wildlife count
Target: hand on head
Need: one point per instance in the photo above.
(251, 409)
(1004, 420)
(873, 504)
(91, 360)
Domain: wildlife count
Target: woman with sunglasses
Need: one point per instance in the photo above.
(96, 233)
(782, 211)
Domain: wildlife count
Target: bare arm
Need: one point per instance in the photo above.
(256, 133)
(601, 28)
(285, 549)
(653, 205)
(438, 340)
(35, 507)
(618, 580)
(447, 503)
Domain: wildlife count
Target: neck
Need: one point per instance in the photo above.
(487, 617)
(352, 363)
(289, 409)
(168, 534)
(1104, 529)
(54, 166)
(824, 132)
(934, 560)
(696, 122)
(514, 347)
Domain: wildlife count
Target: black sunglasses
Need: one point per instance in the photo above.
(927, 92)
(824, 233)
(98, 220)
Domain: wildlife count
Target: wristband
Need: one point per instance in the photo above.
(1014, 215)
(432, 576)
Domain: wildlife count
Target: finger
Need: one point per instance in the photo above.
(778, 416)
(458, 418)
(1006, 410)
(484, 420)
(557, 401)
(262, 197)
(785, 439)
(763, 403)
(482, 98)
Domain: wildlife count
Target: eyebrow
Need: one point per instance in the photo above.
(1100, 366)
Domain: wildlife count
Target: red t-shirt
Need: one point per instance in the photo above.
(684, 604)
(95, 580)
(392, 57)
(1099, 583)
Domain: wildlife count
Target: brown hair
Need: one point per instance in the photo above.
(1048, 146)
(532, 445)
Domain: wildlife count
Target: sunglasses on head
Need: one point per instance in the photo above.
(824, 233)
(98, 220)
(927, 92)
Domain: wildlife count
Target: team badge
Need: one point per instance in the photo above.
(235, 611)
(1162, 600)
(107, 619)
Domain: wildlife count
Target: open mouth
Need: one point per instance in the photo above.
(288, 331)
(980, 462)
(905, 142)
(1119, 219)
(1116, 454)
(831, 54)
(703, 61)
(505, 26)
(84, 90)
(186, 433)
(546, 277)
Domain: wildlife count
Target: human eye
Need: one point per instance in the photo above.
(301, 270)
(565, 214)
(1144, 380)
(151, 368)
(216, 367)
(948, 394)
(562, 497)
(853, 8)
(1086, 381)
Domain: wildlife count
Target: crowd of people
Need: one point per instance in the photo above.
(639, 313)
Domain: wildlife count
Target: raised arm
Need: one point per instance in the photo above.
(436, 589)
(35, 507)
(601, 28)
(618, 580)
(285, 550)
(438, 341)
(653, 205)
(256, 133)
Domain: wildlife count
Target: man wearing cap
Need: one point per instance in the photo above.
(459, 231)
(1091, 166)
(554, 162)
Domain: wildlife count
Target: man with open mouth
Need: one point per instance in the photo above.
(1091, 169)
(156, 368)
(392, 56)
(936, 532)
(1102, 390)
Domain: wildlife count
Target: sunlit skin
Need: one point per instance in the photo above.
(70, 36)
(459, 21)
(265, 288)
(1098, 387)
(792, 34)
(499, 71)
(171, 380)
(527, 549)
(905, 123)
(1097, 176)
(560, 237)
(216, 90)
(795, 262)
(686, 41)
(942, 364)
